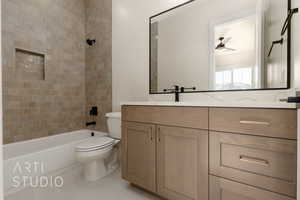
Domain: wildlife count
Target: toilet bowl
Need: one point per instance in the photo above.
(93, 152)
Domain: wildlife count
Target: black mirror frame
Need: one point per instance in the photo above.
(289, 35)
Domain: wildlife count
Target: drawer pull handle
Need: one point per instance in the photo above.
(254, 160)
(254, 123)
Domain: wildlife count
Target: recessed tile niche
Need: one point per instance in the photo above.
(30, 65)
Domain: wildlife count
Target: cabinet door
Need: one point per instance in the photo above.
(138, 144)
(182, 160)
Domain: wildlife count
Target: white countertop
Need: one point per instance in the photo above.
(213, 104)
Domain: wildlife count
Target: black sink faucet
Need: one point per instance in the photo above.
(175, 90)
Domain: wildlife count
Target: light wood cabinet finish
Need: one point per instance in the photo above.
(281, 123)
(139, 159)
(251, 153)
(189, 117)
(182, 163)
(259, 161)
(222, 189)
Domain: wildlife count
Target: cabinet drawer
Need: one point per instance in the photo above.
(259, 161)
(222, 189)
(189, 117)
(281, 123)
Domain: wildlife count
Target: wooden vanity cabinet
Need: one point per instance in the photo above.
(196, 153)
(169, 160)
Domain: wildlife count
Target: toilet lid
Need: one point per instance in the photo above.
(95, 143)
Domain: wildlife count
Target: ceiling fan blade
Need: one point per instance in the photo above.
(220, 48)
(226, 40)
(230, 49)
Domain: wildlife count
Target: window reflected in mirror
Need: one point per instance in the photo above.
(235, 63)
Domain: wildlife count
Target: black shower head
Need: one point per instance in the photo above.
(90, 42)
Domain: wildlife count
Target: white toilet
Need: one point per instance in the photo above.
(93, 152)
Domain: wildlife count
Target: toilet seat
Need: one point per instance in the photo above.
(95, 143)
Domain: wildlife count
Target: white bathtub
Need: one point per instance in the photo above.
(55, 153)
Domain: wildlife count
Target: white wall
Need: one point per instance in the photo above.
(130, 57)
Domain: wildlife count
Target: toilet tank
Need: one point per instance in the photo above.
(114, 124)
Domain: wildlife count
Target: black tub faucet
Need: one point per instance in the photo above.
(91, 123)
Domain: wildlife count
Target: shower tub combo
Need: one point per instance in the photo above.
(43, 162)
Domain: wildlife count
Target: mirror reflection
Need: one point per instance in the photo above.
(213, 45)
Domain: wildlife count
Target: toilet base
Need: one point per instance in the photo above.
(96, 170)
(98, 164)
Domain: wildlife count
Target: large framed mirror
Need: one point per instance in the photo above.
(221, 45)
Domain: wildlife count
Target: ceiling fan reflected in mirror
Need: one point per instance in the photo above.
(222, 45)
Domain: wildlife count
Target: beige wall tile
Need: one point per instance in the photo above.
(38, 108)
(99, 60)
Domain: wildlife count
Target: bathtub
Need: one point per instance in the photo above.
(48, 155)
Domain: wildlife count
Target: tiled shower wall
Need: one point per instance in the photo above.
(53, 34)
(99, 60)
